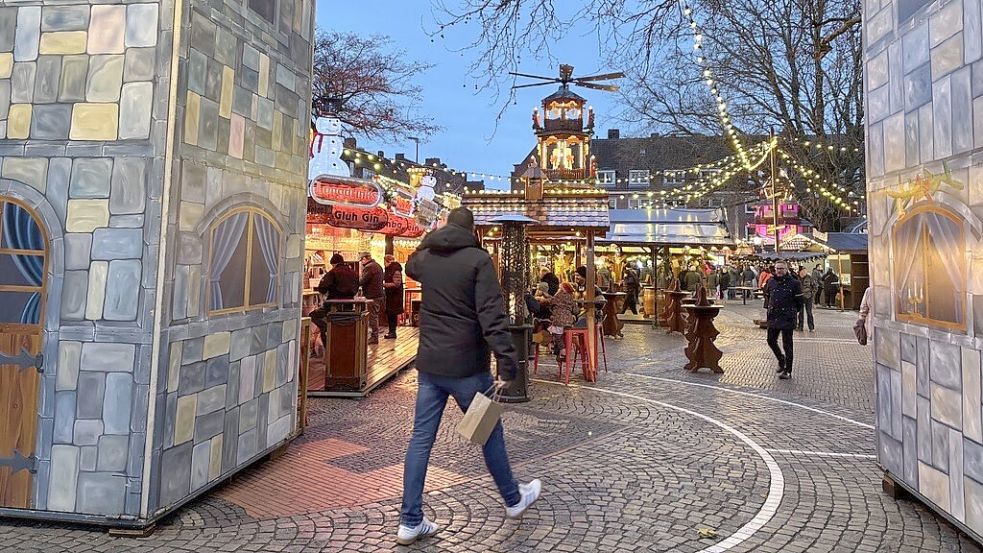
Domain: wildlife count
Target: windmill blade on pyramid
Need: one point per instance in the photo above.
(601, 77)
(554, 79)
(605, 87)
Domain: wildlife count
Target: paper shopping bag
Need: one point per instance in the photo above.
(481, 418)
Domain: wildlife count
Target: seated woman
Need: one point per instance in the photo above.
(563, 314)
(538, 304)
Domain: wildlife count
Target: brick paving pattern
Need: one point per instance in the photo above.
(626, 464)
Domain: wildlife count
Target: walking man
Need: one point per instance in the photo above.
(462, 321)
(783, 297)
(809, 287)
(371, 283)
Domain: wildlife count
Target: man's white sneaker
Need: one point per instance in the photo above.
(529, 494)
(407, 535)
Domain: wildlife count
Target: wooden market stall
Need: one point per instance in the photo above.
(672, 238)
(573, 215)
(846, 253)
(347, 215)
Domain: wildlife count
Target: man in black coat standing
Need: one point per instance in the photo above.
(783, 298)
(462, 321)
(371, 282)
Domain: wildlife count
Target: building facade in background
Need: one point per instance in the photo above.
(924, 96)
(153, 161)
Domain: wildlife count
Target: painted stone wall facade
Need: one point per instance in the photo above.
(84, 128)
(82, 107)
(228, 394)
(924, 97)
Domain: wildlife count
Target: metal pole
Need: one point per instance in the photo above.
(774, 188)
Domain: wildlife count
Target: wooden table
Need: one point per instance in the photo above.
(700, 349)
(612, 325)
(745, 292)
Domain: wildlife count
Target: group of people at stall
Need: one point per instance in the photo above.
(553, 305)
(381, 288)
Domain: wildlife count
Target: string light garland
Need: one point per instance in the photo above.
(820, 146)
(712, 85)
(822, 188)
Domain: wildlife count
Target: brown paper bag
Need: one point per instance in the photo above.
(481, 418)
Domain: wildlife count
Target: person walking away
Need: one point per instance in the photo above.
(392, 282)
(632, 289)
(783, 296)
(724, 283)
(693, 279)
(817, 276)
(713, 284)
(735, 280)
(809, 286)
(831, 282)
(339, 283)
(462, 321)
(371, 282)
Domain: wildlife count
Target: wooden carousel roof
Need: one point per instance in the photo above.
(568, 208)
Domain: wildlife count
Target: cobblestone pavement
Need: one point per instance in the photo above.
(641, 461)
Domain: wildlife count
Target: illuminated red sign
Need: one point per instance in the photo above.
(405, 227)
(374, 219)
(342, 192)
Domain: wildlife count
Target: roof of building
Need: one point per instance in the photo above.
(559, 208)
(669, 227)
(657, 153)
(564, 93)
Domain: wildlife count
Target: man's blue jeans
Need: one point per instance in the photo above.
(431, 398)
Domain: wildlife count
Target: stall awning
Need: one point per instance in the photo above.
(668, 227)
(571, 209)
(832, 242)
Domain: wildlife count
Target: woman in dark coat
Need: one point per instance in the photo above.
(392, 282)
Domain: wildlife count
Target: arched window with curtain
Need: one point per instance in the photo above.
(22, 265)
(244, 264)
(930, 268)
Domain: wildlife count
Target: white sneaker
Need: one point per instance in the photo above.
(407, 535)
(529, 494)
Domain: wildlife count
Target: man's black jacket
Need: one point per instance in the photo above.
(783, 297)
(462, 317)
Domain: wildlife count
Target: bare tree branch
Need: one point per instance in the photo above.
(374, 85)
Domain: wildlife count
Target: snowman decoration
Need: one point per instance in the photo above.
(426, 207)
(326, 148)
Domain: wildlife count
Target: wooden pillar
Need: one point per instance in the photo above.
(654, 256)
(839, 265)
(578, 255)
(589, 296)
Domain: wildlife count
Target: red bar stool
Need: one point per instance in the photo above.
(575, 343)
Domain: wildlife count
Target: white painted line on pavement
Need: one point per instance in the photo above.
(822, 453)
(776, 488)
(759, 396)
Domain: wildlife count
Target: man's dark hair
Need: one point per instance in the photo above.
(582, 271)
(462, 217)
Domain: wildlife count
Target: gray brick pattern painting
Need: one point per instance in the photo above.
(925, 192)
(129, 168)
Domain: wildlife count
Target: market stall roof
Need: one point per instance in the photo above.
(561, 208)
(834, 242)
(780, 256)
(669, 227)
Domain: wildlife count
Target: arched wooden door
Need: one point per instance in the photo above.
(23, 283)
